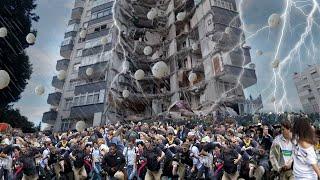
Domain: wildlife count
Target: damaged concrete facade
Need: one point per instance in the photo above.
(191, 37)
(202, 38)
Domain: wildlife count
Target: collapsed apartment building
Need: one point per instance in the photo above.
(127, 59)
(198, 46)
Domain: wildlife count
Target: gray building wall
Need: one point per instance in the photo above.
(308, 88)
(83, 97)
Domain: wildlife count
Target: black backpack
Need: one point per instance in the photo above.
(152, 163)
(79, 162)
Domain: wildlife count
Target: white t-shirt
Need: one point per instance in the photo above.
(286, 148)
(302, 161)
(195, 159)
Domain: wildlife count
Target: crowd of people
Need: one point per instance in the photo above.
(218, 150)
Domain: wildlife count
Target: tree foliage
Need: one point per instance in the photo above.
(16, 120)
(17, 17)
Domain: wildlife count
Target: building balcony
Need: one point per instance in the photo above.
(54, 98)
(70, 34)
(66, 50)
(99, 5)
(74, 21)
(99, 70)
(97, 34)
(62, 64)
(99, 20)
(79, 3)
(76, 13)
(86, 111)
(240, 57)
(57, 83)
(50, 117)
(232, 74)
(90, 87)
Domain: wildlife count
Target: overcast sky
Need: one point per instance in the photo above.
(54, 15)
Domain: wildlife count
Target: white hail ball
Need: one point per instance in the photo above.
(3, 32)
(160, 69)
(152, 14)
(83, 33)
(192, 77)
(89, 71)
(31, 38)
(104, 40)
(139, 74)
(275, 63)
(4, 79)
(228, 30)
(259, 52)
(181, 16)
(62, 75)
(125, 93)
(147, 50)
(80, 126)
(274, 20)
(39, 90)
(195, 46)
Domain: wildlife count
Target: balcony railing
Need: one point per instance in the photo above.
(90, 87)
(54, 98)
(57, 83)
(66, 48)
(100, 2)
(99, 70)
(232, 74)
(62, 64)
(86, 111)
(49, 117)
(76, 13)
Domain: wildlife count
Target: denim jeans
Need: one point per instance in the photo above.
(130, 172)
(96, 171)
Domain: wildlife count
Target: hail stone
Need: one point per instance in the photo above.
(3, 32)
(228, 30)
(274, 20)
(192, 77)
(80, 126)
(275, 63)
(139, 74)
(125, 93)
(147, 50)
(181, 16)
(104, 40)
(83, 33)
(160, 69)
(4, 79)
(152, 14)
(31, 38)
(89, 71)
(39, 90)
(62, 75)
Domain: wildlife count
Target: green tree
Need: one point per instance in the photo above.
(16, 120)
(17, 17)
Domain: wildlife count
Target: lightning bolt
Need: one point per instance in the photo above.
(294, 56)
(277, 82)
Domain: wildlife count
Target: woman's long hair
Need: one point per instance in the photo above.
(303, 131)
